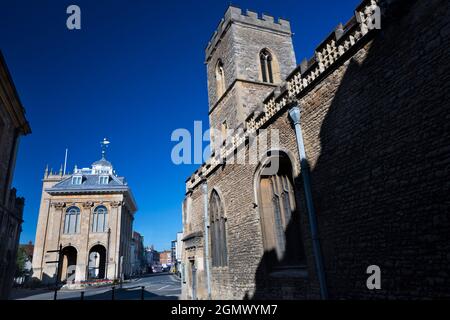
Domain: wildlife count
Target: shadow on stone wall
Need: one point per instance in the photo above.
(273, 281)
(380, 185)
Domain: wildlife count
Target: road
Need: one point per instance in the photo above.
(160, 286)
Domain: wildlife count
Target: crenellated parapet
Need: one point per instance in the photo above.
(301, 80)
(236, 15)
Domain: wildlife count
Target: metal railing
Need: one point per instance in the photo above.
(113, 292)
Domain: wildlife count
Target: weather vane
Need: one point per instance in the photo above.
(104, 145)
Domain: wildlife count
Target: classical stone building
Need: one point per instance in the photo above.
(89, 214)
(13, 124)
(361, 159)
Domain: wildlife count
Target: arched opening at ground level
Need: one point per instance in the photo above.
(97, 262)
(68, 261)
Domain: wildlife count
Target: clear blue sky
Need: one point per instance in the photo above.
(133, 73)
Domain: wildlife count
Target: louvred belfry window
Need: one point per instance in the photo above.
(266, 66)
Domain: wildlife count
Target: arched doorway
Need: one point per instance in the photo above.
(68, 264)
(97, 262)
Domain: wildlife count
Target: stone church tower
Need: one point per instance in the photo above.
(89, 214)
(247, 57)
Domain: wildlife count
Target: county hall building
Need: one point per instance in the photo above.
(89, 215)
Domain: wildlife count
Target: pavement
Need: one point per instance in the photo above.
(159, 286)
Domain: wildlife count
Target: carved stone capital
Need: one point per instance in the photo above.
(88, 204)
(58, 205)
(115, 204)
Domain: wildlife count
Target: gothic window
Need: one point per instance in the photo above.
(266, 66)
(220, 79)
(218, 231)
(279, 215)
(100, 219)
(72, 220)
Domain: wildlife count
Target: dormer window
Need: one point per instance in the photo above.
(77, 180)
(104, 179)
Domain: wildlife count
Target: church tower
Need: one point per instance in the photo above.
(246, 58)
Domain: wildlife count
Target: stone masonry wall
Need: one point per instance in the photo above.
(7, 135)
(376, 133)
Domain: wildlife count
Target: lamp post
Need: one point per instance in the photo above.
(295, 114)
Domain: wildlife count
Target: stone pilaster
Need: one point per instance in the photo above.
(114, 241)
(83, 254)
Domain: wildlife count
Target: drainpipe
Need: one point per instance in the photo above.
(206, 236)
(295, 113)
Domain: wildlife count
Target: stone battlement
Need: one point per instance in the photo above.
(301, 80)
(234, 14)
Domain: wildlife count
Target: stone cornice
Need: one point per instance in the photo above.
(10, 99)
(231, 86)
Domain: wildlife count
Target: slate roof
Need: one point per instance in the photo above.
(90, 182)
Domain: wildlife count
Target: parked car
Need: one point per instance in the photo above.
(157, 268)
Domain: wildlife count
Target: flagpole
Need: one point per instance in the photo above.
(65, 162)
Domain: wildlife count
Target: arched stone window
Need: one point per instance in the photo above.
(100, 219)
(279, 214)
(219, 254)
(72, 220)
(220, 79)
(269, 67)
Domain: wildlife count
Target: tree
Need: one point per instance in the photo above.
(22, 258)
